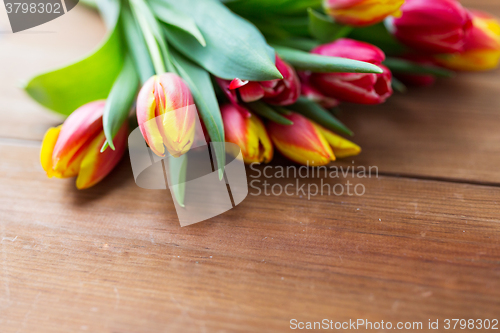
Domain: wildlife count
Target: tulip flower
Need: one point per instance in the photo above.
(281, 92)
(361, 13)
(74, 148)
(311, 93)
(249, 133)
(482, 46)
(165, 116)
(353, 87)
(432, 26)
(308, 143)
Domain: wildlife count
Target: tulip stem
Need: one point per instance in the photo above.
(140, 11)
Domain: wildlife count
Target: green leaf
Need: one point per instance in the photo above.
(266, 111)
(119, 102)
(258, 7)
(282, 110)
(408, 67)
(324, 29)
(172, 16)
(178, 168)
(152, 34)
(66, 89)
(318, 114)
(398, 86)
(316, 63)
(235, 48)
(136, 46)
(203, 92)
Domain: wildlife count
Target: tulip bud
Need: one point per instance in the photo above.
(353, 87)
(361, 13)
(165, 115)
(282, 92)
(482, 46)
(249, 133)
(73, 149)
(432, 26)
(307, 143)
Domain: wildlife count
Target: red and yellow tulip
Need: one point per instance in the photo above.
(308, 143)
(166, 115)
(249, 133)
(361, 13)
(74, 148)
(482, 46)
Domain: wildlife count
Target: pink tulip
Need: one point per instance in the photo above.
(432, 26)
(353, 87)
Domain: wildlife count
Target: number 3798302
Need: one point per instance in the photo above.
(464, 324)
(41, 8)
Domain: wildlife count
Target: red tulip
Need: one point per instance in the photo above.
(282, 92)
(482, 46)
(249, 133)
(353, 87)
(74, 148)
(165, 115)
(433, 26)
(361, 13)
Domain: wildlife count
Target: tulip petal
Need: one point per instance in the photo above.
(146, 115)
(362, 12)
(96, 165)
(341, 147)
(78, 129)
(48, 144)
(251, 92)
(301, 142)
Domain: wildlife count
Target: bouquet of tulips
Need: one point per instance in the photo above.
(263, 74)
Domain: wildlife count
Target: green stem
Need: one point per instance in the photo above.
(151, 41)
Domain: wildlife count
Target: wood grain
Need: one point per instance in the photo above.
(114, 259)
(24, 54)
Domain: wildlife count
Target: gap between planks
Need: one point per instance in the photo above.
(36, 143)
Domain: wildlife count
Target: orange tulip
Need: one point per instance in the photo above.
(249, 133)
(308, 143)
(73, 148)
(482, 46)
(165, 115)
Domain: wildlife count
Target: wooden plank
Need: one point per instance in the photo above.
(448, 131)
(39, 49)
(114, 258)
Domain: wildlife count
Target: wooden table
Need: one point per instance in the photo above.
(422, 243)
